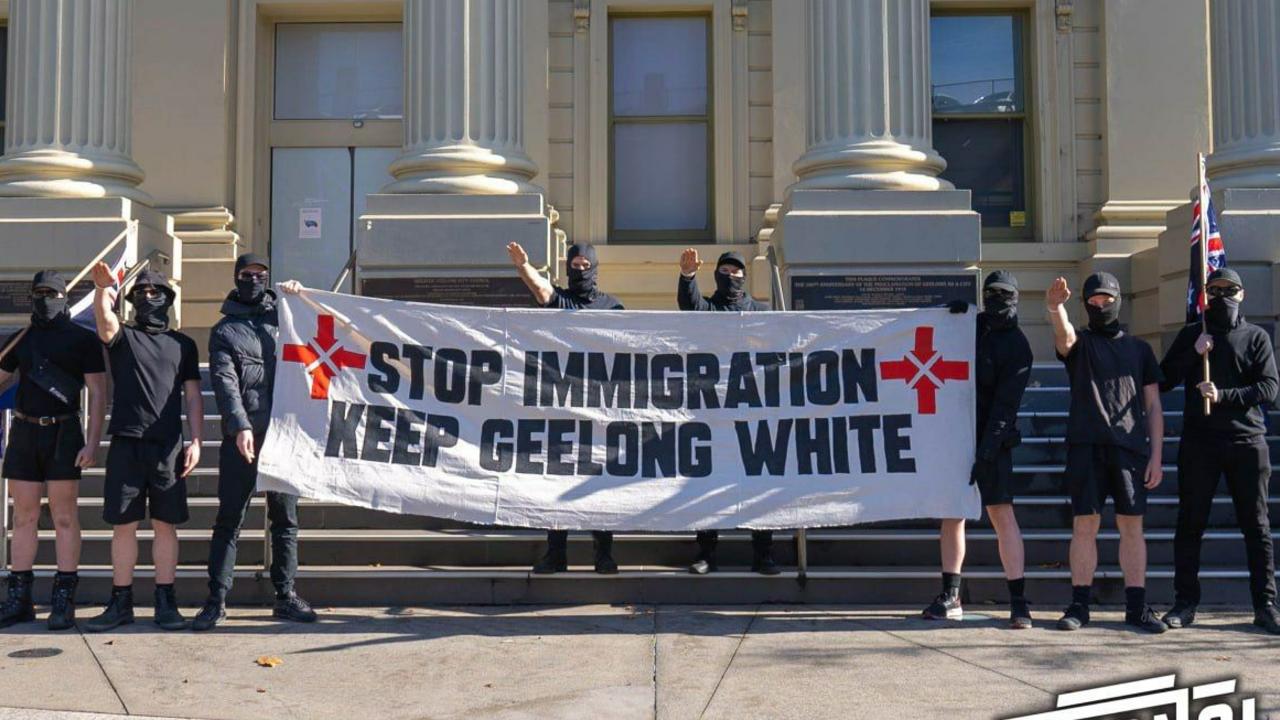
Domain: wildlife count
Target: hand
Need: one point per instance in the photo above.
(1154, 474)
(86, 457)
(1204, 343)
(689, 262)
(244, 443)
(958, 307)
(102, 276)
(1209, 390)
(190, 457)
(292, 287)
(978, 470)
(1057, 295)
(519, 257)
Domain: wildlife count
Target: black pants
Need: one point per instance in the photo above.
(237, 480)
(761, 542)
(1247, 467)
(558, 541)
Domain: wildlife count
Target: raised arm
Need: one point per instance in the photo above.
(104, 298)
(688, 296)
(538, 285)
(1064, 336)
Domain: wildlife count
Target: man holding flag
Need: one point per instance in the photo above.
(1224, 426)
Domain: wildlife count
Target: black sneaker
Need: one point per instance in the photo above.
(1074, 617)
(213, 612)
(551, 562)
(167, 616)
(944, 607)
(1145, 621)
(1268, 619)
(17, 606)
(62, 612)
(605, 564)
(119, 611)
(1181, 615)
(292, 607)
(1020, 614)
(764, 564)
(703, 565)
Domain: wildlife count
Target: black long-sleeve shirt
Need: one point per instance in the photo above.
(688, 297)
(1004, 368)
(1243, 367)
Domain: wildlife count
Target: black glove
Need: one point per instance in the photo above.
(981, 468)
(958, 307)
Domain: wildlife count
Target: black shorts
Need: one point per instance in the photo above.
(141, 473)
(1095, 472)
(40, 453)
(995, 480)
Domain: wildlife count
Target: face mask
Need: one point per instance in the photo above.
(730, 287)
(250, 291)
(582, 282)
(1222, 314)
(44, 310)
(1001, 307)
(151, 313)
(1104, 320)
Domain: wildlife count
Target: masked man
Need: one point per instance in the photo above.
(1004, 359)
(152, 369)
(54, 358)
(582, 294)
(1230, 441)
(730, 296)
(1114, 433)
(242, 360)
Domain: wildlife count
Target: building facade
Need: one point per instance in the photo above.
(1050, 137)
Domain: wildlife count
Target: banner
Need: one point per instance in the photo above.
(623, 420)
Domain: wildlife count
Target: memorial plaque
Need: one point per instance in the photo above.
(15, 296)
(878, 292)
(453, 290)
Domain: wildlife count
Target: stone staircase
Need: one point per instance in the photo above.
(357, 556)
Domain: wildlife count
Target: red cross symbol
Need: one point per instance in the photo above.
(323, 358)
(924, 371)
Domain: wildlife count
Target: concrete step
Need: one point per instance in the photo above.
(1048, 588)
(1053, 423)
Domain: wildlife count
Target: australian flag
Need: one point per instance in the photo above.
(1216, 254)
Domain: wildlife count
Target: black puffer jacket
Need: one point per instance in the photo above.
(242, 363)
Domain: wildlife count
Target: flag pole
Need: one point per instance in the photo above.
(1204, 264)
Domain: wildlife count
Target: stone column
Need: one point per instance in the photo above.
(463, 109)
(1245, 63)
(68, 113)
(869, 115)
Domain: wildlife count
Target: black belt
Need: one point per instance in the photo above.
(46, 420)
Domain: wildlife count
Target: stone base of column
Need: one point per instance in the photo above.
(450, 249)
(66, 233)
(209, 251)
(874, 232)
(1249, 221)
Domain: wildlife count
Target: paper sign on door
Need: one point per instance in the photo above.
(309, 223)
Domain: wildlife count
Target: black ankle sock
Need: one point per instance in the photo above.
(121, 588)
(1135, 599)
(1017, 588)
(951, 584)
(24, 574)
(1080, 594)
(72, 574)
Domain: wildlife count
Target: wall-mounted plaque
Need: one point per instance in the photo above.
(876, 292)
(452, 290)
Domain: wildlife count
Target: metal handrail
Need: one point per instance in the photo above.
(347, 269)
(130, 227)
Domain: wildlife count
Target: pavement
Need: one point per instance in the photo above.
(600, 661)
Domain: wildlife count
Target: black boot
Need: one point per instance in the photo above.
(762, 554)
(17, 606)
(167, 615)
(291, 607)
(213, 612)
(119, 611)
(556, 559)
(602, 542)
(62, 615)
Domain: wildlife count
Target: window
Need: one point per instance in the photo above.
(660, 128)
(338, 71)
(980, 123)
(4, 74)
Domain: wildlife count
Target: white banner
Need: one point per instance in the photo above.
(626, 420)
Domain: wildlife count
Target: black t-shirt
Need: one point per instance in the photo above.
(67, 346)
(562, 299)
(148, 372)
(1107, 376)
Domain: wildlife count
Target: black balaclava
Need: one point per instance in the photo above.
(152, 314)
(1103, 320)
(732, 290)
(46, 311)
(250, 292)
(998, 309)
(582, 282)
